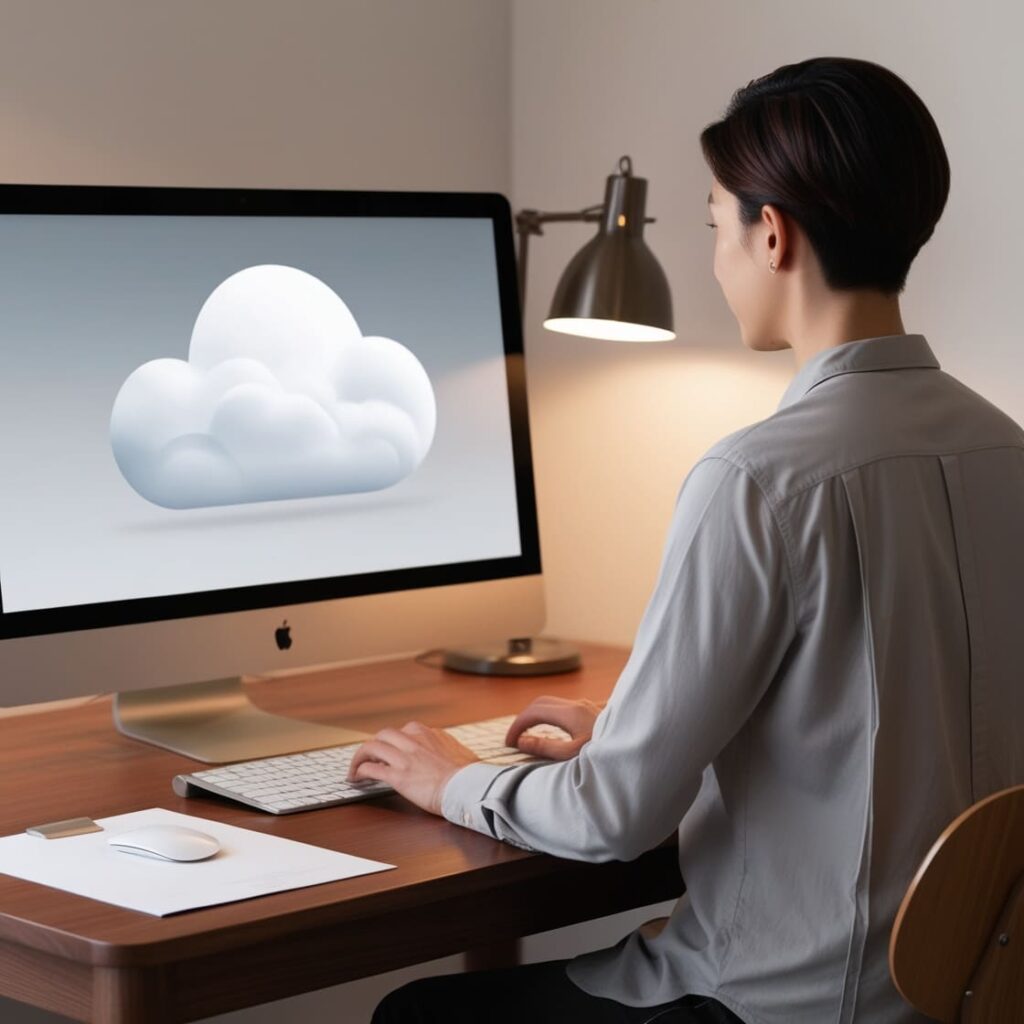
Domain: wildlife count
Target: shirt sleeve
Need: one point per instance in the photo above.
(711, 639)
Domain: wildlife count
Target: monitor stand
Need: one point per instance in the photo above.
(214, 721)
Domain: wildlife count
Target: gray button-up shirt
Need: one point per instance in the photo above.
(830, 669)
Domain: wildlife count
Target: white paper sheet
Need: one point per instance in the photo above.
(248, 864)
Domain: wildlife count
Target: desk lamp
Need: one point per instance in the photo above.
(613, 288)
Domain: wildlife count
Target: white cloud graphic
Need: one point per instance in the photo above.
(281, 397)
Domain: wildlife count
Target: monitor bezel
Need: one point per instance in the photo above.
(177, 201)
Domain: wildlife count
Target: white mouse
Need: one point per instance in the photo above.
(166, 842)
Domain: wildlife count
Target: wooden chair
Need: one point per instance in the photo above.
(956, 952)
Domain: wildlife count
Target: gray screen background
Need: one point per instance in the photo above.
(84, 300)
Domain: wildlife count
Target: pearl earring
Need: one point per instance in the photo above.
(771, 266)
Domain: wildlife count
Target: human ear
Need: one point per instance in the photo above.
(776, 236)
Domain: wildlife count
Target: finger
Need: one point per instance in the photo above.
(536, 714)
(358, 758)
(550, 748)
(414, 728)
(376, 750)
(373, 771)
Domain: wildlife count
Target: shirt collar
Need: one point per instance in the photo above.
(888, 352)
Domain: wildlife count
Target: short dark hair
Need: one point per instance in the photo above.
(848, 150)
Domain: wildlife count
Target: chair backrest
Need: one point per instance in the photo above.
(960, 927)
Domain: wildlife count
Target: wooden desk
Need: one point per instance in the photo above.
(453, 889)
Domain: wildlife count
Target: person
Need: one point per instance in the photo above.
(827, 672)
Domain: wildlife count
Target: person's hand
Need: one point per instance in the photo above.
(416, 760)
(576, 717)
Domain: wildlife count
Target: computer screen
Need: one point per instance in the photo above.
(216, 402)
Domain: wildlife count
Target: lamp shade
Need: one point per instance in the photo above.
(614, 287)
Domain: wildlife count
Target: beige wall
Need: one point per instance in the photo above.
(616, 427)
(537, 98)
(311, 93)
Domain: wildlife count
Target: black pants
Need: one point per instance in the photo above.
(530, 994)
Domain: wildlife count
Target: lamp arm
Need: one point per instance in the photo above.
(530, 222)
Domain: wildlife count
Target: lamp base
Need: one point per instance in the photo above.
(523, 656)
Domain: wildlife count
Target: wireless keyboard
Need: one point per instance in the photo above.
(317, 778)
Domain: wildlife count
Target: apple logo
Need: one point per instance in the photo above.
(283, 636)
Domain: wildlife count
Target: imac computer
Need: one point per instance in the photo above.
(245, 431)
